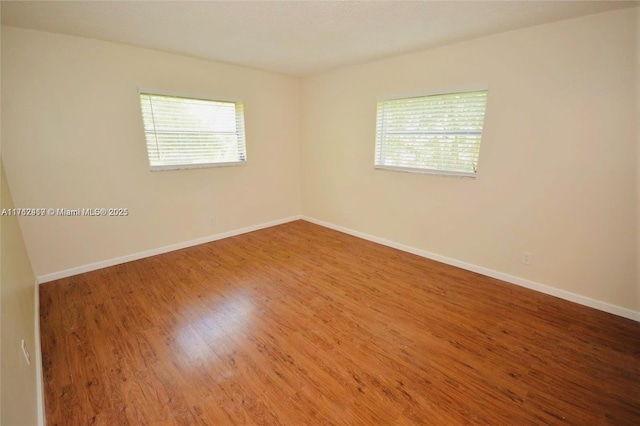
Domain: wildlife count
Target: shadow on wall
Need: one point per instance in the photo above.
(19, 390)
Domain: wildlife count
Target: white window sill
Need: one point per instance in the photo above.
(444, 173)
(195, 166)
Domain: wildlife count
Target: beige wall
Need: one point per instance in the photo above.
(73, 137)
(557, 169)
(637, 121)
(17, 379)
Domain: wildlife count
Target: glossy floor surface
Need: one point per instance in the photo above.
(299, 324)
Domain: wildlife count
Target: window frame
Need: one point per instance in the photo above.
(420, 94)
(200, 97)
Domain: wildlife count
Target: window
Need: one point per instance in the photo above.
(437, 134)
(186, 132)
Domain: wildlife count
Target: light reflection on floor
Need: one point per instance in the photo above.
(213, 334)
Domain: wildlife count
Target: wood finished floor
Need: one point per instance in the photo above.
(299, 324)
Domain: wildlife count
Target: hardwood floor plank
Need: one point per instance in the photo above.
(299, 324)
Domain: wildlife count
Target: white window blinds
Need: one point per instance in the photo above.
(433, 134)
(185, 132)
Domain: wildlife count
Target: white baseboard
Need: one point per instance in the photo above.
(38, 360)
(153, 252)
(553, 291)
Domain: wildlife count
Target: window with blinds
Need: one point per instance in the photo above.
(186, 132)
(437, 134)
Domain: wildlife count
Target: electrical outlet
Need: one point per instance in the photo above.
(25, 351)
(212, 221)
(527, 257)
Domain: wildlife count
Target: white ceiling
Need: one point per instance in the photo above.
(292, 37)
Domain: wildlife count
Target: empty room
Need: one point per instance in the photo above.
(320, 212)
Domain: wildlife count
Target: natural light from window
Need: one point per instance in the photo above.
(438, 134)
(186, 132)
